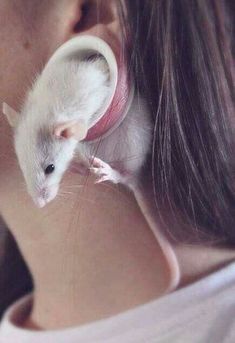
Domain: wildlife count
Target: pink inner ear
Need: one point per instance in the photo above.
(66, 133)
(77, 130)
(62, 132)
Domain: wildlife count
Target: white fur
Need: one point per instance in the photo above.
(76, 91)
(128, 146)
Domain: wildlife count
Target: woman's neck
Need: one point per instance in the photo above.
(92, 255)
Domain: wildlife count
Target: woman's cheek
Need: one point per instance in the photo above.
(18, 64)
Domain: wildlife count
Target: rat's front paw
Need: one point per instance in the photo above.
(104, 171)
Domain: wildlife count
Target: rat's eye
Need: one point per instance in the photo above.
(49, 169)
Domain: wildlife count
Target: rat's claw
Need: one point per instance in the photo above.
(104, 171)
(97, 162)
(103, 178)
(94, 170)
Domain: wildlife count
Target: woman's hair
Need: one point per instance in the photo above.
(15, 279)
(182, 56)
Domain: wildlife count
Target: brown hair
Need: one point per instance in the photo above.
(182, 57)
(15, 279)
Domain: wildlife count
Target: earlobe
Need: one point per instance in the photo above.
(11, 114)
(71, 129)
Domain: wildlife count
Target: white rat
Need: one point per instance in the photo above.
(46, 139)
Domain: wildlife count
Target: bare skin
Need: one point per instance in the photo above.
(91, 252)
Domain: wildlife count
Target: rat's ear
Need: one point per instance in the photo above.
(11, 114)
(71, 129)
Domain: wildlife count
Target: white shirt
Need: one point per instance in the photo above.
(202, 312)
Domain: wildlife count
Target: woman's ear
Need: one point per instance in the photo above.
(71, 129)
(83, 20)
(11, 114)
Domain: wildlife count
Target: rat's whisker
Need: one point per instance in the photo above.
(61, 195)
(67, 193)
(78, 195)
(75, 186)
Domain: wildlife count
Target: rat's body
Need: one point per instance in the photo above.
(125, 149)
(44, 140)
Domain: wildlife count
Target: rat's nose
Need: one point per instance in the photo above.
(41, 199)
(39, 202)
(45, 195)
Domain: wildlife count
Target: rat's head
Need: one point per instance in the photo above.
(44, 155)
